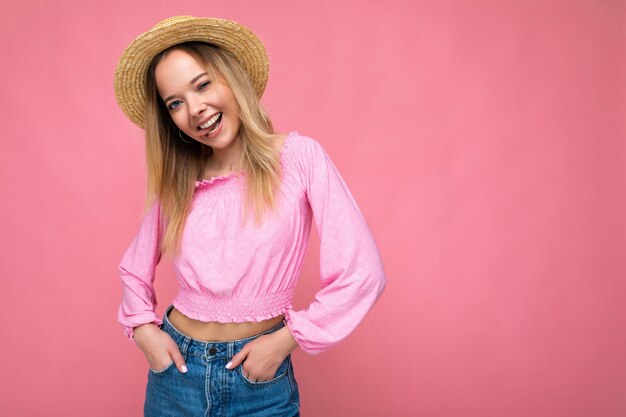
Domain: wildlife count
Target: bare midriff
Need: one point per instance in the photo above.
(219, 332)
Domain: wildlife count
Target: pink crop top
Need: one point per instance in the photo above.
(234, 272)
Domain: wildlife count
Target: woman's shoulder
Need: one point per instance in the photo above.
(279, 141)
(293, 143)
(300, 152)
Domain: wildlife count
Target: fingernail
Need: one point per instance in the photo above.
(228, 365)
(184, 369)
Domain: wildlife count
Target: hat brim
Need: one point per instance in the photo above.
(131, 71)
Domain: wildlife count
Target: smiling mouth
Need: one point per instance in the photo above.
(212, 123)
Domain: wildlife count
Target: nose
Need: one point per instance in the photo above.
(196, 106)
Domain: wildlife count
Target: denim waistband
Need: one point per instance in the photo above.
(205, 349)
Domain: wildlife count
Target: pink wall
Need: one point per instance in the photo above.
(484, 141)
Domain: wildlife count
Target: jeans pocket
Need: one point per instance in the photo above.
(281, 373)
(162, 371)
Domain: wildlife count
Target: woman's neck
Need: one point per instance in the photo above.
(224, 161)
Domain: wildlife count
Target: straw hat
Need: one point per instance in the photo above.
(130, 74)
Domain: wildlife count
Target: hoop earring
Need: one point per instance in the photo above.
(181, 137)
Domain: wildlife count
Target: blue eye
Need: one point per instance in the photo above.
(173, 104)
(204, 85)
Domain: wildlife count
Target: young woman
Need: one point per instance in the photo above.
(232, 202)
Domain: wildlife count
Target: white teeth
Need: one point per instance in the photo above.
(213, 129)
(210, 121)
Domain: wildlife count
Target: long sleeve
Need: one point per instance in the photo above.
(351, 270)
(137, 268)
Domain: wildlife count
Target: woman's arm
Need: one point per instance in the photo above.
(137, 271)
(137, 310)
(352, 276)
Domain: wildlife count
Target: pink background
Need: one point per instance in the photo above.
(484, 141)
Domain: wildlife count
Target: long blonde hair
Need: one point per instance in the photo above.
(174, 166)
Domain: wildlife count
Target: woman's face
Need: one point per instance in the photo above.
(202, 107)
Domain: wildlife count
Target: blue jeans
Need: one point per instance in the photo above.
(209, 389)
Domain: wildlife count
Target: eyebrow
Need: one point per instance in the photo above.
(194, 79)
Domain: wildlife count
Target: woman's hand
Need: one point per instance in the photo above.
(262, 357)
(158, 347)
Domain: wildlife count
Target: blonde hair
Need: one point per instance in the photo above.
(174, 166)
